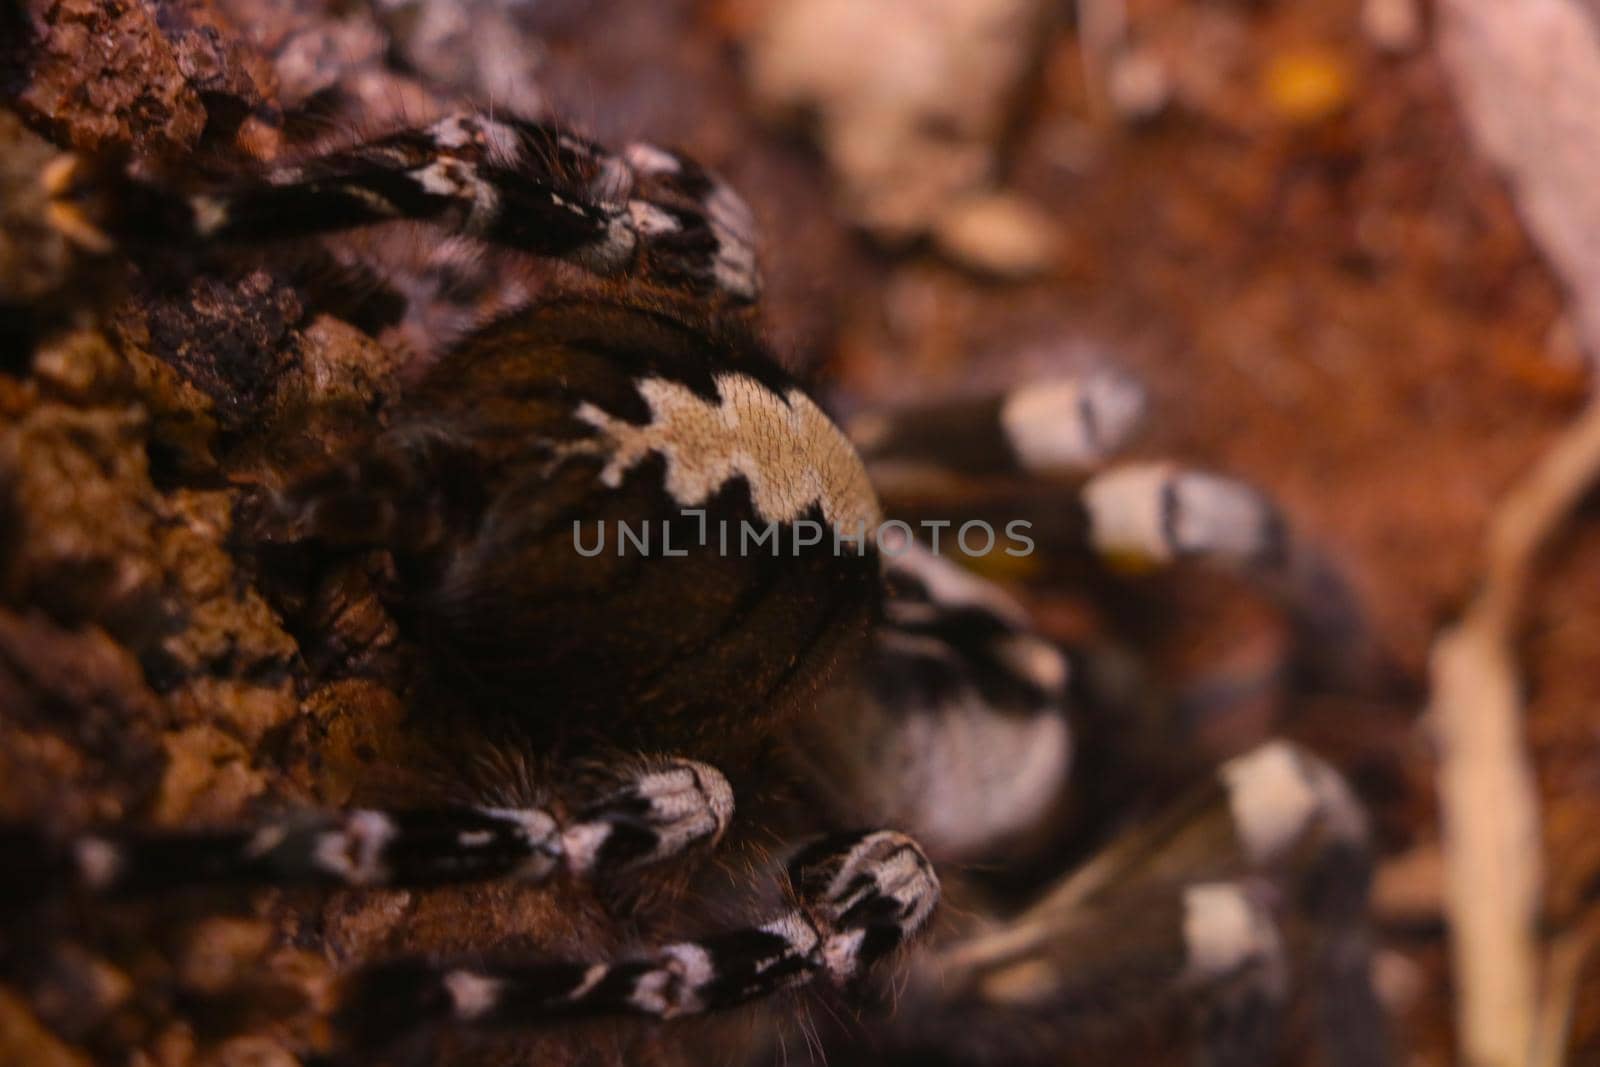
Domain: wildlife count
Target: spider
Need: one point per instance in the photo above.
(887, 716)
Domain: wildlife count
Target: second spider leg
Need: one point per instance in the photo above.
(954, 725)
(516, 183)
(1060, 425)
(1068, 430)
(1216, 915)
(661, 810)
(856, 898)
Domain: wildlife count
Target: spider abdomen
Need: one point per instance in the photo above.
(649, 543)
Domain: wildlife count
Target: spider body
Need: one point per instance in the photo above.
(741, 620)
(575, 473)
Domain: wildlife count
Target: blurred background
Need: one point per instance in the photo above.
(1350, 247)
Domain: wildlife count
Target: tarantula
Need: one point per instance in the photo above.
(836, 675)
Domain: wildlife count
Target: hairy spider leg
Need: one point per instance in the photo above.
(857, 897)
(955, 726)
(663, 810)
(1250, 885)
(515, 183)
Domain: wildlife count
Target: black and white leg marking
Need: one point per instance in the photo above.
(857, 898)
(1210, 956)
(1274, 811)
(693, 228)
(1210, 917)
(1154, 514)
(954, 726)
(1135, 516)
(1068, 425)
(973, 456)
(517, 183)
(1275, 814)
(659, 812)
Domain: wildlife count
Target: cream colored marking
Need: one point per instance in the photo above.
(648, 159)
(210, 213)
(376, 201)
(1125, 518)
(450, 132)
(789, 452)
(355, 852)
(908, 879)
(898, 875)
(650, 220)
(971, 781)
(539, 832)
(1035, 659)
(1275, 791)
(734, 226)
(692, 963)
(1221, 517)
(1341, 812)
(1213, 516)
(686, 806)
(471, 995)
(440, 178)
(797, 932)
(458, 131)
(1271, 798)
(612, 251)
(735, 266)
(1045, 425)
(581, 844)
(452, 178)
(591, 978)
(1224, 932)
(537, 827)
(800, 937)
(953, 586)
(729, 213)
(266, 839)
(99, 862)
(841, 954)
(650, 992)
(673, 988)
(1027, 981)
(612, 183)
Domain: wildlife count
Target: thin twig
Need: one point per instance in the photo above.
(1489, 808)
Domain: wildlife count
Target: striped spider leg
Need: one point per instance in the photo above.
(1066, 432)
(1071, 423)
(1244, 897)
(854, 899)
(661, 809)
(1049, 452)
(955, 724)
(653, 214)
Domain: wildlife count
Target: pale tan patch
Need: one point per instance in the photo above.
(789, 452)
(1225, 933)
